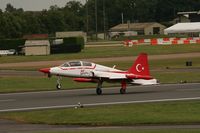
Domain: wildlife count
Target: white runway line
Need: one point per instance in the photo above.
(7, 100)
(99, 104)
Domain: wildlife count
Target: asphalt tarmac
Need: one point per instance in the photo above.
(88, 97)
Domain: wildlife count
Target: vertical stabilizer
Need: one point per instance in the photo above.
(141, 66)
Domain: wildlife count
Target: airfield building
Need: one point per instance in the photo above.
(137, 29)
(37, 47)
(72, 34)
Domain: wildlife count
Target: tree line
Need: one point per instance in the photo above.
(14, 23)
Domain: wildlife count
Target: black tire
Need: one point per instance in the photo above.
(122, 91)
(58, 86)
(99, 91)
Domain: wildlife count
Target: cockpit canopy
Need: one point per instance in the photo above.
(76, 64)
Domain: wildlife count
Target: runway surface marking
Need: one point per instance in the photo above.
(99, 104)
(7, 100)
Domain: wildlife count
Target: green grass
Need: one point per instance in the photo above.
(174, 63)
(177, 77)
(18, 84)
(157, 64)
(25, 84)
(134, 131)
(124, 65)
(107, 52)
(185, 112)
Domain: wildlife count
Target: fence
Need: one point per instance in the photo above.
(163, 41)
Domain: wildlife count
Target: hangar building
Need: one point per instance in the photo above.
(140, 28)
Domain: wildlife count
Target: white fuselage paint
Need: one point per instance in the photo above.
(96, 71)
(84, 71)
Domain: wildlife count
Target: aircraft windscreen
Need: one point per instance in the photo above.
(87, 64)
(75, 63)
(65, 65)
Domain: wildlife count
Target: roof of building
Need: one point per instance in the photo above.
(191, 12)
(36, 36)
(37, 43)
(133, 26)
(70, 34)
(184, 28)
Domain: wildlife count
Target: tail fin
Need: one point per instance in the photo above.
(141, 66)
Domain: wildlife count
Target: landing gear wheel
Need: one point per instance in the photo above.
(58, 86)
(99, 91)
(122, 91)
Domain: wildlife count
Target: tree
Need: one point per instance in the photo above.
(10, 8)
(74, 16)
(17, 22)
(32, 23)
(55, 20)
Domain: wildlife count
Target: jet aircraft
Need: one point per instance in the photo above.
(82, 71)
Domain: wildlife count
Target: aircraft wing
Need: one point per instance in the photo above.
(110, 75)
(103, 75)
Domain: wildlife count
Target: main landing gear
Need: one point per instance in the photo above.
(123, 87)
(99, 86)
(58, 85)
(122, 90)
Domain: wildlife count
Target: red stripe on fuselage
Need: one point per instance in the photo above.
(82, 67)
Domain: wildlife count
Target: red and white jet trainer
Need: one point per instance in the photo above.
(83, 71)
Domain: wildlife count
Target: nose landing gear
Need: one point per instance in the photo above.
(58, 85)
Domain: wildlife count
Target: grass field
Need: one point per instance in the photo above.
(157, 64)
(123, 115)
(124, 65)
(185, 112)
(107, 52)
(25, 84)
(158, 67)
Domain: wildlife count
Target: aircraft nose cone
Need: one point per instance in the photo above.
(45, 70)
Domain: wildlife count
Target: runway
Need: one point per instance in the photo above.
(88, 97)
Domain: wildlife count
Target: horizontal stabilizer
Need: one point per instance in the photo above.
(133, 76)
